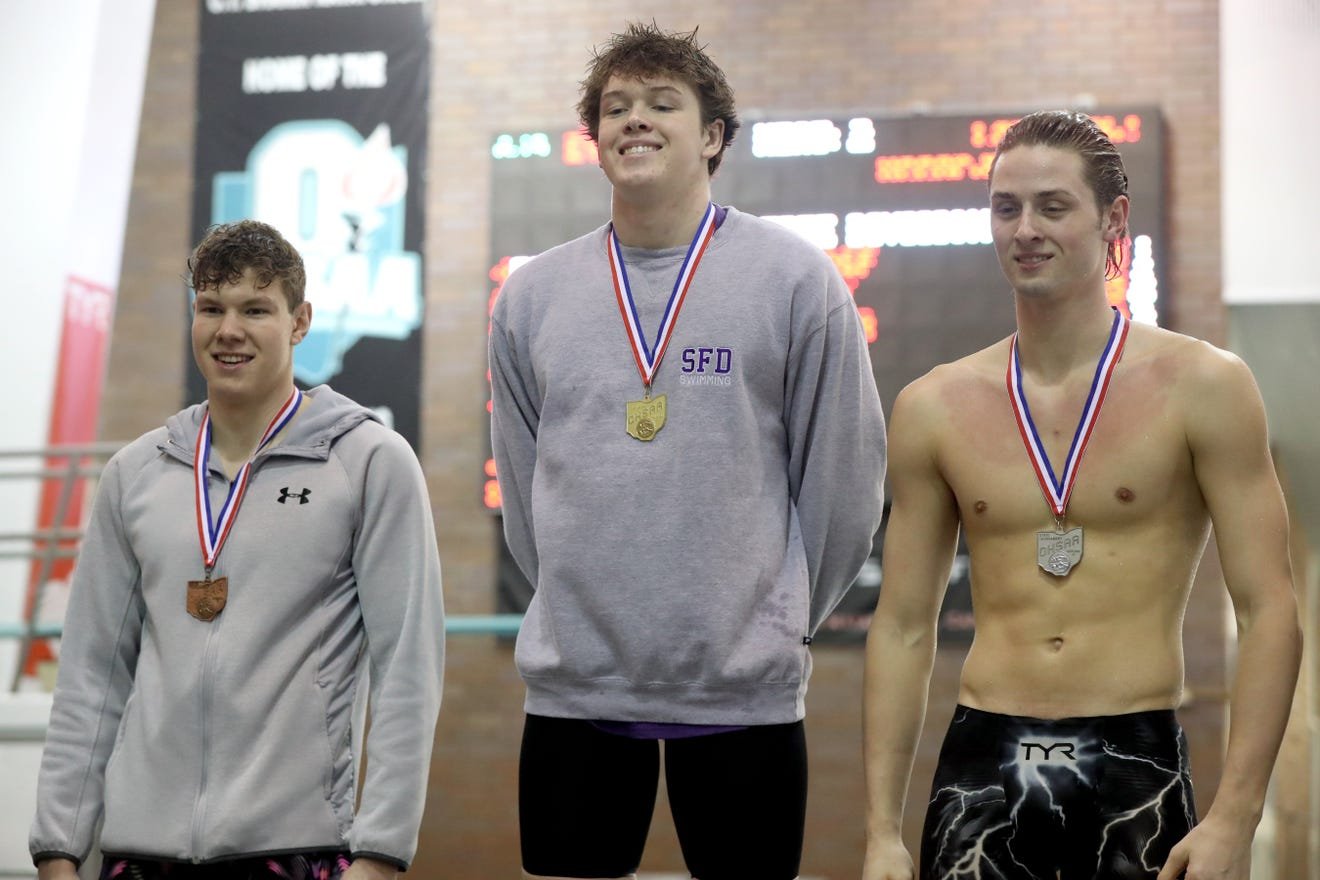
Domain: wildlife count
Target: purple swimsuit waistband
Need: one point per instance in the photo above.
(658, 730)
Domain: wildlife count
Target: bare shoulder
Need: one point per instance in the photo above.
(976, 373)
(1192, 368)
(930, 413)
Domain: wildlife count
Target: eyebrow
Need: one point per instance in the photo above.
(1043, 194)
(649, 89)
(209, 295)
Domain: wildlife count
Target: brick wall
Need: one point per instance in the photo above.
(498, 65)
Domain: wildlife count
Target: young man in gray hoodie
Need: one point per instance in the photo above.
(691, 452)
(247, 570)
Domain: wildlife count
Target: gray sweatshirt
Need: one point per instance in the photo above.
(204, 741)
(679, 580)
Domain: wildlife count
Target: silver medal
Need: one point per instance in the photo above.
(1058, 551)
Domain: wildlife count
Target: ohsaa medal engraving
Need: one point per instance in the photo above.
(206, 598)
(646, 417)
(1057, 552)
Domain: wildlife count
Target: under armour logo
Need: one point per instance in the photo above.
(285, 495)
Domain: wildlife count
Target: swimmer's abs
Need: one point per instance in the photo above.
(1060, 676)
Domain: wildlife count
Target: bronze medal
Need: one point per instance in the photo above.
(206, 598)
(645, 417)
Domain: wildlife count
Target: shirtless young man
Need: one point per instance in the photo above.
(1064, 759)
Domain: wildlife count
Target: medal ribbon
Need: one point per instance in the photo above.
(648, 359)
(1059, 491)
(213, 534)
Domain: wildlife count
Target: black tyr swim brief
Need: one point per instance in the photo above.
(1074, 799)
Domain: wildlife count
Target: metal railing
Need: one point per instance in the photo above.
(66, 467)
(455, 624)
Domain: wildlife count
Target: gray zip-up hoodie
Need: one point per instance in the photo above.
(679, 580)
(207, 741)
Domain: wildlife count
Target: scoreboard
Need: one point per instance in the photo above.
(900, 204)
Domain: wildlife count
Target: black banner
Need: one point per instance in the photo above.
(312, 117)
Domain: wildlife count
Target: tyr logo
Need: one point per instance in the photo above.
(1052, 753)
(302, 496)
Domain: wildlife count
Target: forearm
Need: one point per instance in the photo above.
(364, 868)
(1269, 652)
(57, 869)
(898, 669)
(405, 701)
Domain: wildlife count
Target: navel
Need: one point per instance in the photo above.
(1126, 495)
(1056, 644)
(980, 507)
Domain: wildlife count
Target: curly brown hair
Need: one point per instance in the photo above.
(644, 50)
(1102, 165)
(228, 250)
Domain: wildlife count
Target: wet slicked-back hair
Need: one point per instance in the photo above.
(1102, 166)
(644, 51)
(227, 251)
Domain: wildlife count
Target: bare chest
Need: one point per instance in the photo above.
(1133, 466)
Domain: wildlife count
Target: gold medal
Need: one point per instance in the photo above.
(645, 417)
(206, 598)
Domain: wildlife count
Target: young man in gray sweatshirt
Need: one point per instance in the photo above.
(245, 567)
(691, 453)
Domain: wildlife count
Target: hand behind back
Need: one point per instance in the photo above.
(888, 860)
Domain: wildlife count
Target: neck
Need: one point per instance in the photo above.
(236, 428)
(1054, 337)
(659, 223)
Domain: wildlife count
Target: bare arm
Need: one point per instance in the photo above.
(371, 869)
(920, 540)
(1230, 452)
(57, 869)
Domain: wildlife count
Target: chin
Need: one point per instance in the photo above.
(1033, 286)
(1035, 289)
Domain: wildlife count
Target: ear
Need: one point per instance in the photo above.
(302, 321)
(1115, 220)
(714, 139)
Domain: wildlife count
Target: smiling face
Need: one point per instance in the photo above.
(651, 136)
(1050, 235)
(242, 340)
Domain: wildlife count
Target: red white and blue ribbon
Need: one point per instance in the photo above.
(1058, 489)
(214, 533)
(648, 358)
